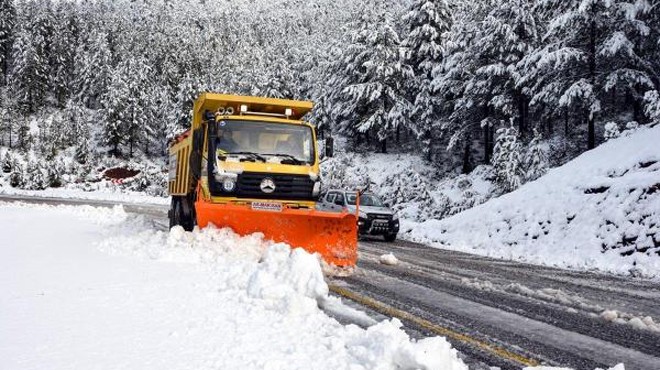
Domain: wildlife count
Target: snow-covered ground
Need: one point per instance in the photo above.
(599, 211)
(96, 288)
(110, 194)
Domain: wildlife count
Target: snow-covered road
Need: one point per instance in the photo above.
(550, 315)
(97, 288)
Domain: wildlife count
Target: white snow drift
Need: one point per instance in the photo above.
(599, 211)
(90, 288)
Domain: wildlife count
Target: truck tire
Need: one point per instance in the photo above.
(389, 237)
(178, 216)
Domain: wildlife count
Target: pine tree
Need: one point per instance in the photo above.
(7, 22)
(29, 73)
(92, 70)
(426, 21)
(54, 174)
(536, 158)
(587, 53)
(507, 159)
(371, 97)
(612, 131)
(16, 177)
(35, 178)
(463, 115)
(652, 106)
(7, 162)
(125, 110)
(65, 31)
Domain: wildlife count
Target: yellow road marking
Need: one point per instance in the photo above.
(395, 312)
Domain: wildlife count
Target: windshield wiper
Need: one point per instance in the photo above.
(251, 154)
(289, 157)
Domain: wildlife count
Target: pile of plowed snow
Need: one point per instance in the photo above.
(84, 287)
(599, 211)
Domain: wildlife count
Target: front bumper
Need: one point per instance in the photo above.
(371, 226)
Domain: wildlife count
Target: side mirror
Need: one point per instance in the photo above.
(329, 147)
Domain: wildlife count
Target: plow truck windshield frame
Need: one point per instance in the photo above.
(271, 142)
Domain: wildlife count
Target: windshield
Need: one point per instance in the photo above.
(369, 200)
(265, 141)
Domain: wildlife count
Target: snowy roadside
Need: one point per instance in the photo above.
(98, 288)
(597, 212)
(109, 194)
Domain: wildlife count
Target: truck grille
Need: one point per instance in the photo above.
(377, 216)
(286, 186)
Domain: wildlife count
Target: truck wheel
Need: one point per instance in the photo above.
(178, 216)
(174, 213)
(390, 237)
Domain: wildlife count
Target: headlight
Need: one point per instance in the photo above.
(317, 189)
(228, 185)
(395, 216)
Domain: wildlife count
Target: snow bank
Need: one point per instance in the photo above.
(113, 194)
(599, 211)
(274, 294)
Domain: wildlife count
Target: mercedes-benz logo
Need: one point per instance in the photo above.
(267, 185)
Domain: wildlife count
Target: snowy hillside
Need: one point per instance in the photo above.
(412, 186)
(600, 211)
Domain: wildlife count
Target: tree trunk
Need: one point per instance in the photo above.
(486, 130)
(467, 166)
(591, 139)
(383, 145)
(429, 139)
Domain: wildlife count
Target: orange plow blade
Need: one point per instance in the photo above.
(331, 234)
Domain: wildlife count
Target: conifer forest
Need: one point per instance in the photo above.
(519, 85)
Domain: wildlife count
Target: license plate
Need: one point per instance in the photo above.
(265, 206)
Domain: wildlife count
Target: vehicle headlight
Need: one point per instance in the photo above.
(228, 184)
(316, 190)
(395, 216)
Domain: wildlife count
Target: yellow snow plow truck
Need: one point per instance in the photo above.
(252, 164)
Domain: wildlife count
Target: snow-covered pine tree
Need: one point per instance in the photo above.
(125, 111)
(427, 21)
(372, 86)
(508, 33)
(54, 173)
(6, 127)
(652, 106)
(28, 78)
(7, 22)
(35, 178)
(536, 158)
(65, 30)
(75, 123)
(462, 116)
(81, 154)
(16, 177)
(612, 131)
(7, 162)
(92, 70)
(507, 159)
(587, 52)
